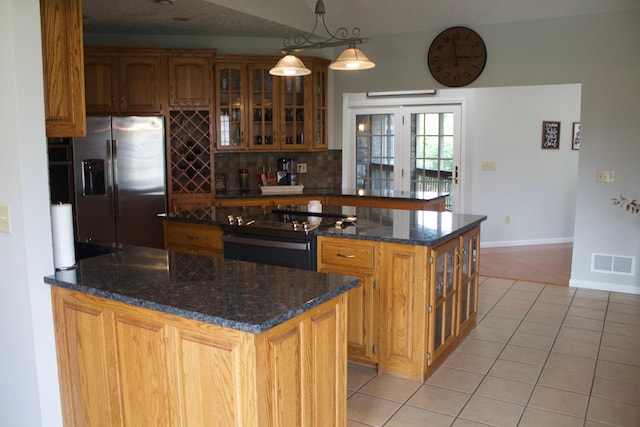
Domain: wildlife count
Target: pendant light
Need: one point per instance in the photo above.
(350, 59)
(290, 65)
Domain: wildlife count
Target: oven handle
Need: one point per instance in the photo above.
(299, 246)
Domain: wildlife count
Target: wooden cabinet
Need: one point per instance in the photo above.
(453, 301)
(414, 304)
(190, 79)
(260, 112)
(403, 301)
(200, 239)
(356, 258)
(63, 67)
(126, 365)
(119, 81)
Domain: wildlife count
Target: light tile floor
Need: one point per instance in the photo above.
(540, 355)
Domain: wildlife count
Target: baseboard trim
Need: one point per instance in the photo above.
(507, 243)
(604, 286)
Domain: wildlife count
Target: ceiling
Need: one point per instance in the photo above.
(280, 18)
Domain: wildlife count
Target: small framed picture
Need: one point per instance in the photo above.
(575, 141)
(550, 135)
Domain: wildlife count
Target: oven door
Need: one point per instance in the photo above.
(275, 251)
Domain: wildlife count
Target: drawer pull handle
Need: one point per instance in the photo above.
(346, 256)
(195, 238)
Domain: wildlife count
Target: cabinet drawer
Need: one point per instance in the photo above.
(346, 253)
(180, 234)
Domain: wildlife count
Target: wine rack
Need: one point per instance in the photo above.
(190, 136)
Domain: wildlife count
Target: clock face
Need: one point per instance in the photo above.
(457, 56)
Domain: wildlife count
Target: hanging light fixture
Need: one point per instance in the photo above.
(351, 58)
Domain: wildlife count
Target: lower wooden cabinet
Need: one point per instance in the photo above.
(193, 238)
(126, 365)
(356, 258)
(414, 303)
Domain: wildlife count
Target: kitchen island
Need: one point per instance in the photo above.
(418, 271)
(154, 337)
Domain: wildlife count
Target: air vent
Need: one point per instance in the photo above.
(613, 264)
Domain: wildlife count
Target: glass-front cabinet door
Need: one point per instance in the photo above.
(320, 106)
(231, 126)
(263, 128)
(296, 129)
(469, 276)
(443, 298)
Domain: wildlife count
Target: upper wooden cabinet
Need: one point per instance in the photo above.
(124, 81)
(260, 112)
(190, 79)
(62, 56)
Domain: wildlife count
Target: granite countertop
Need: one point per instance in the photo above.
(321, 192)
(234, 294)
(425, 228)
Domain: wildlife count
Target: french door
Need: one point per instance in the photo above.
(414, 149)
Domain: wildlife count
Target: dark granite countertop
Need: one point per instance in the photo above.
(234, 294)
(425, 228)
(321, 192)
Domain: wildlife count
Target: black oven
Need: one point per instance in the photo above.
(279, 237)
(271, 250)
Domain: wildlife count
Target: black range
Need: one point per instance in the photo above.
(285, 235)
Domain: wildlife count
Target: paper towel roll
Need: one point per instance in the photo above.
(64, 254)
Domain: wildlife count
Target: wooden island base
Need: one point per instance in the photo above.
(124, 365)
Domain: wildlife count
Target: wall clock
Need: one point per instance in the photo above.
(457, 56)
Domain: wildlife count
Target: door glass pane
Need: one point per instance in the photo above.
(375, 153)
(432, 153)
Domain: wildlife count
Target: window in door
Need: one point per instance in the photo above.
(375, 153)
(432, 162)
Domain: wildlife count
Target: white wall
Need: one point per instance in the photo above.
(29, 393)
(535, 188)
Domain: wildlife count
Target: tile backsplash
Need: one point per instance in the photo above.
(324, 169)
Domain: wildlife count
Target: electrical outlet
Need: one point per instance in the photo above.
(606, 176)
(507, 219)
(302, 168)
(5, 220)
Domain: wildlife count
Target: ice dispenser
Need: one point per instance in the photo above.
(93, 177)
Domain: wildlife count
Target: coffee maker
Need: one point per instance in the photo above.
(287, 171)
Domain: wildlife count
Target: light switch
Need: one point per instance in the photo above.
(5, 220)
(605, 176)
(488, 166)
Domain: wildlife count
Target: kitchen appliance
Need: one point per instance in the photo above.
(283, 236)
(120, 181)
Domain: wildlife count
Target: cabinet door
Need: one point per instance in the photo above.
(319, 114)
(469, 276)
(403, 309)
(140, 84)
(264, 133)
(443, 299)
(190, 81)
(295, 112)
(230, 113)
(355, 259)
(101, 84)
(63, 67)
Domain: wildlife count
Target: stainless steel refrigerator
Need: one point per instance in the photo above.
(120, 183)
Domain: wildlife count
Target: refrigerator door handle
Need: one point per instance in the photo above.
(116, 196)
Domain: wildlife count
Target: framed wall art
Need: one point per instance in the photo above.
(550, 135)
(575, 141)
